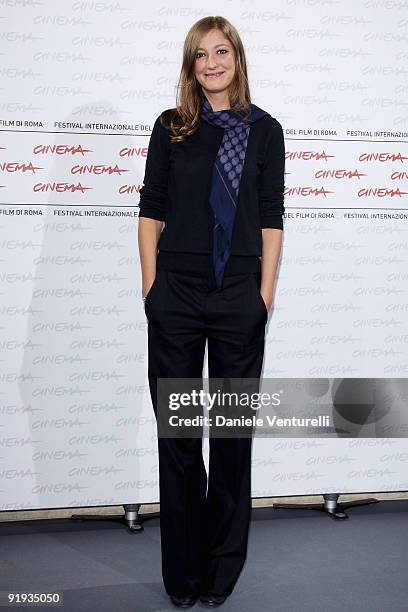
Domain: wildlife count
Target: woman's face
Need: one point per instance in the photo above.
(215, 62)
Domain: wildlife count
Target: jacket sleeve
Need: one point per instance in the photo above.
(272, 182)
(153, 193)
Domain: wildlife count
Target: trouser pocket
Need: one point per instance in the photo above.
(256, 284)
(153, 289)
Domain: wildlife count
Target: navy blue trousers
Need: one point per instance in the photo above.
(204, 533)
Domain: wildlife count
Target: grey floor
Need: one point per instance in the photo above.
(298, 560)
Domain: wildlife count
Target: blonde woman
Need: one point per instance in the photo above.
(210, 232)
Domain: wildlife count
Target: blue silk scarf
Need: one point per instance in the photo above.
(226, 177)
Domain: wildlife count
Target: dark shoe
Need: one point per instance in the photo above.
(211, 599)
(183, 602)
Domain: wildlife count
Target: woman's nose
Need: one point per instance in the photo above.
(212, 61)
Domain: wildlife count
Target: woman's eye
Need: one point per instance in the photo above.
(200, 53)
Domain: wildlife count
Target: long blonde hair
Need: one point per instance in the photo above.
(184, 119)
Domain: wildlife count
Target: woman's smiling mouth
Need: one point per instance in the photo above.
(214, 74)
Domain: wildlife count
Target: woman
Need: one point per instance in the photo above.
(210, 233)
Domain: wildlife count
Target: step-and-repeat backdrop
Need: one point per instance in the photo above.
(81, 85)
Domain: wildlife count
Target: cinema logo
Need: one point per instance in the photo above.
(60, 187)
(22, 167)
(382, 157)
(338, 174)
(308, 155)
(399, 176)
(381, 192)
(97, 169)
(128, 189)
(307, 191)
(133, 152)
(136, 484)
(60, 149)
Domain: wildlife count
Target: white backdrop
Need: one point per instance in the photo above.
(81, 85)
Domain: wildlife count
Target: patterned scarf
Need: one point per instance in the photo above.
(227, 172)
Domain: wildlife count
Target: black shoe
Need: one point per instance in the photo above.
(183, 602)
(211, 599)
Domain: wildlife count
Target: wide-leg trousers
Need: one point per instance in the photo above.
(204, 533)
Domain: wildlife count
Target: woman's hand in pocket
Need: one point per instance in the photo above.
(267, 297)
(146, 288)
